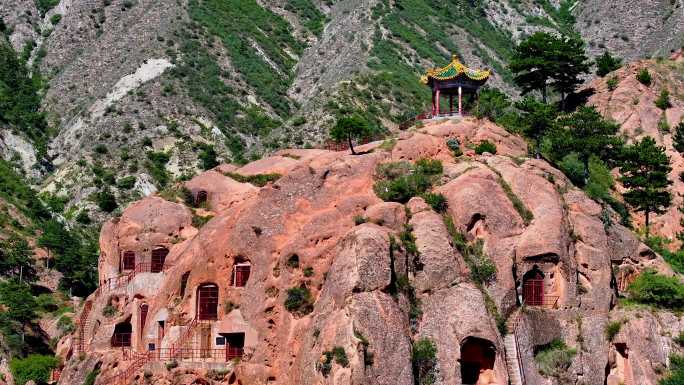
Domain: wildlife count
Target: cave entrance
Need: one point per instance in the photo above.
(207, 302)
(128, 260)
(241, 272)
(533, 287)
(158, 258)
(477, 361)
(235, 345)
(201, 197)
(122, 334)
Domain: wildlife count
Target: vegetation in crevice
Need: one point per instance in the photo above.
(554, 359)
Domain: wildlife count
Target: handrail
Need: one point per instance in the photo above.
(516, 323)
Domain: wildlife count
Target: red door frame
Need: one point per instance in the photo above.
(207, 302)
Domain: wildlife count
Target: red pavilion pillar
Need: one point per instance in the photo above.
(460, 101)
(433, 102)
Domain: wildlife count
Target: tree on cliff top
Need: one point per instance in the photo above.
(349, 128)
(645, 167)
(544, 60)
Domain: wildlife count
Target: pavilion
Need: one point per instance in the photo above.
(453, 79)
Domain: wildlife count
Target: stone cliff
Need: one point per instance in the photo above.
(305, 276)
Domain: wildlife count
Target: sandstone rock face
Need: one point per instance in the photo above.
(332, 299)
(632, 105)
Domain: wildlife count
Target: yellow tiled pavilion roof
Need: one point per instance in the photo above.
(453, 70)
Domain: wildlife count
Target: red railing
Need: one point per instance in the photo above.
(198, 354)
(121, 340)
(514, 331)
(82, 325)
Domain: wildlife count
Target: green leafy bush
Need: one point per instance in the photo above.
(299, 301)
(156, 165)
(612, 83)
(424, 360)
(65, 324)
(126, 183)
(340, 356)
(644, 77)
(91, 377)
(34, 368)
(554, 359)
(438, 202)
(485, 146)
(106, 201)
(658, 290)
(401, 181)
(678, 138)
(612, 329)
(600, 179)
(360, 219)
(606, 64)
(663, 100)
(454, 146)
(54, 19)
(676, 374)
(573, 168)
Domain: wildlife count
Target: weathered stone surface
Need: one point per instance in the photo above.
(387, 214)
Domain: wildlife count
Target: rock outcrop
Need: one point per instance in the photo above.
(334, 294)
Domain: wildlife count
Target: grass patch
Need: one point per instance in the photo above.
(259, 180)
(554, 359)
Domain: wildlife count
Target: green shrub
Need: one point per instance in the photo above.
(126, 182)
(106, 201)
(573, 168)
(454, 146)
(438, 202)
(424, 360)
(680, 339)
(402, 181)
(360, 219)
(676, 374)
(308, 271)
(65, 324)
(340, 356)
(100, 149)
(109, 311)
(606, 64)
(83, 217)
(156, 166)
(482, 268)
(554, 359)
(600, 179)
(612, 83)
(663, 101)
(429, 166)
(171, 365)
(299, 301)
(198, 221)
(34, 368)
(678, 138)
(55, 18)
(324, 365)
(644, 77)
(403, 188)
(658, 290)
(207, 157)
(485, 146)
(612, 329)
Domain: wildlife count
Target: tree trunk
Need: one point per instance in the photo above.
(351, 145)
(585, 160)
(544, 94)
(647, 212)
(563, 101)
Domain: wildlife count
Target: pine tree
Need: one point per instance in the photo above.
(15, 259)
(607, 63)
(586, 133)
(349, 128)
(537, 119)
(645, 168)
(678, 138)
(544, 60)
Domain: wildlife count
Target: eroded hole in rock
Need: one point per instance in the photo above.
(619, 367)
(475, 220)
(477, 361)
(293, 261)
(232, 378)
(184, 283)
(201, 197)
(257, 230)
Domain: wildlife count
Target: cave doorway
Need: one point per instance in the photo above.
(477, 359)
(122, 334)
(533, 287)
(235, 345)
(128, 260)
(207, 302)
(241, 272)
(158, 258)
(144, 308)
(201, 198)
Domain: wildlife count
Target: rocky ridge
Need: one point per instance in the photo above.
(369, 295)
